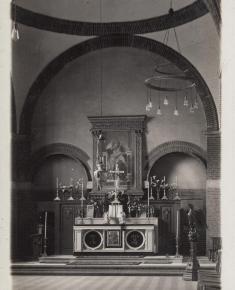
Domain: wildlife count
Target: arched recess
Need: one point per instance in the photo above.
(50, 71)
(69, 150)
(174, 146)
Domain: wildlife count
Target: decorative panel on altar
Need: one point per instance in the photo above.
(133, 236)
(120, 148)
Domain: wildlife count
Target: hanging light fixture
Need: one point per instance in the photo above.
(150, 100)
(100, 139)
(159, 111)
(191, 110)
(196, 105)
(186, 101)
(165, 80)
(176, 111)
(166, 102)
(149, 104)
(15, 30)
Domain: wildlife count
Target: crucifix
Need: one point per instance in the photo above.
(116, 181)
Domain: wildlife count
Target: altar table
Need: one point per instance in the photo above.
(136, 235)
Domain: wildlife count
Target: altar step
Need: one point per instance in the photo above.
(116, 265)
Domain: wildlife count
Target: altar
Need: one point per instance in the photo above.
(135, 235)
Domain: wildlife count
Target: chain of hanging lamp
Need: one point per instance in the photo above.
(161, 82)
(15, 30)
(100, 135)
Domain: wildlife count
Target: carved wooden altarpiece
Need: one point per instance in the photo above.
(122, 144)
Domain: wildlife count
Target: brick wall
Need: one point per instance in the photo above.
(213, 186)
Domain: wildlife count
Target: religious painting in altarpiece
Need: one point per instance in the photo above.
(118, 154)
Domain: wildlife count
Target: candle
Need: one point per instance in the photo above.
(57, 182)
(164, 178)
(177, 225)
(45, 227)
(148, 199)
(82, 186)
(176, 181)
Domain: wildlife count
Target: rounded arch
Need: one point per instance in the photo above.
(69, 150)
(59, 25)
(139, 42)
(174, 146)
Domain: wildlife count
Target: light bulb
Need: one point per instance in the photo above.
(176, 112)
(159, 112)
(147, 108)
(165, 102)
(15, 32)
(185, 101)
(195, 105)
(191, 109)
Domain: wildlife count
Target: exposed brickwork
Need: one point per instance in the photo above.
(213, 186)
(174, 146)
(37, 158)
(163, 22)
(213, 151)
(213, 213)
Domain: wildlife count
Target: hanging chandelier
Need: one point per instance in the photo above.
(166, 82)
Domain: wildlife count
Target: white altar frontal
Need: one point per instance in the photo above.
(135, 235)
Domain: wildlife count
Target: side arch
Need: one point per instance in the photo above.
(116, 40)
(69, 150)
(174, 146)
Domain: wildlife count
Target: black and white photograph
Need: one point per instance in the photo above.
(115, 113)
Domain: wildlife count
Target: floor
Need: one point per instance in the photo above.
(101, 283)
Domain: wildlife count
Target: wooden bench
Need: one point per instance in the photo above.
(210, 279)
(216, 246)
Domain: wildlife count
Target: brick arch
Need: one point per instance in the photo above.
(68, 150)
(58, 25)
(171, 147)
(116, 40)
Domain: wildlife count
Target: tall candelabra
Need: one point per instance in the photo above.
(73, 189)
(161, 186)
(80, 183)
(44, 254)
(57, 198)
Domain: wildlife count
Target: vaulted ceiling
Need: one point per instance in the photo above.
(48, 28)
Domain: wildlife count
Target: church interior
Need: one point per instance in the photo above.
(116, 115)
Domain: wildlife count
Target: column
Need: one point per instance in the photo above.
(213, 186)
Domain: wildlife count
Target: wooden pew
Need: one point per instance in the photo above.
(210, 279)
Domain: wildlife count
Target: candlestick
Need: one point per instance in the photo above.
(82, 185)
(45, 228)
(148, 199)
(151, 189)
(176, 194)
(44, 254)
(177, 224)
(177, 233)
(57, 189)
(164, 189)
